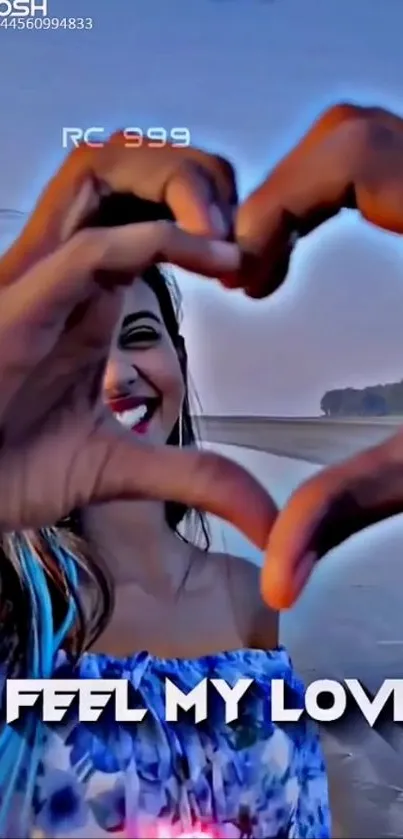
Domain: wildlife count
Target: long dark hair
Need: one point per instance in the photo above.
(184, 432)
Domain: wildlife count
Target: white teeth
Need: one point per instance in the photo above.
(132, 418)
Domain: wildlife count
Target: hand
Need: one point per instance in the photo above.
(351, 157)
(325, 511)
(60, 446)
(197, 188)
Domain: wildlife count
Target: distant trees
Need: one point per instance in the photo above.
(372, 401)
(374, 405)
(332, 403)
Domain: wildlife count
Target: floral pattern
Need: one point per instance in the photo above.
(250, 779)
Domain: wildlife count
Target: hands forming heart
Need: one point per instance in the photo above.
(61, 290)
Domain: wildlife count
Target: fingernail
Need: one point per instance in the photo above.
(218, 221)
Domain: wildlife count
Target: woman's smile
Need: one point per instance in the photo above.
(135, 413)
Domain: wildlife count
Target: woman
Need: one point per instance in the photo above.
(177, 602)
(86, 598)
(351, 157)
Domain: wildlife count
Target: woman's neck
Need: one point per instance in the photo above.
(136, 544)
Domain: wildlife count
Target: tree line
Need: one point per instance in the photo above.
(371, 401)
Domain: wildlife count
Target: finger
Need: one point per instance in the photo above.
(134, 247)
(306, 189)
(199, 188)
(147, 172)
(350, 158)
(115, 465)
(265, 262)
(112, 257)
(55, 293)
(312, 178)
(327, 510)
(80, 360)
(131, 249)
(202, 203)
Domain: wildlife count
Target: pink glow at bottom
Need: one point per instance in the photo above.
(195, 835)
(164, 833)
(161, 830)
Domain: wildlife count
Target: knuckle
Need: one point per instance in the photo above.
(363, 138)
(362, 132)
(348, 118)
(372, 132)
(364, 128)
(340, 112)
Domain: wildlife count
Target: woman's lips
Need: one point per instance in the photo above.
(118, 404)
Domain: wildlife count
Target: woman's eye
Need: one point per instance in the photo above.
(146, 335)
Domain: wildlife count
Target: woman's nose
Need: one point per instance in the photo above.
(120, 376)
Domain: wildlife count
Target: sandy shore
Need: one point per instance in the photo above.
(318, 440)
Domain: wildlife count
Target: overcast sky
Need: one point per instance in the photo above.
(246, 77)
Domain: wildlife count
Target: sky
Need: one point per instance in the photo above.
(246, 77)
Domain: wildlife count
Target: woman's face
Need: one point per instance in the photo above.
(143, 382)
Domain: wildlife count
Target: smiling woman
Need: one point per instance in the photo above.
(136, 405)
(140, 585)
(146, 380)
(114, 589)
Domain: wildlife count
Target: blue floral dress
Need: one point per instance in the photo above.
(250, 779)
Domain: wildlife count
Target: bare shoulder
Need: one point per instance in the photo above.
(257, 624)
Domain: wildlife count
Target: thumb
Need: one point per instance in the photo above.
(127, 469)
